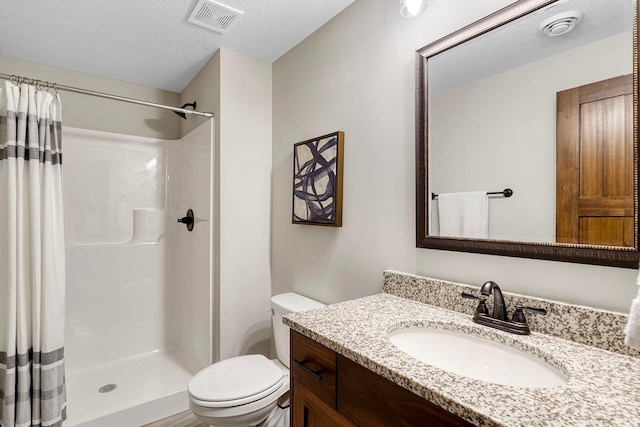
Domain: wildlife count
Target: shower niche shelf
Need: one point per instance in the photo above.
(149, 227)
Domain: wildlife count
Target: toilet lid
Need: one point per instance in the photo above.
(235, 378)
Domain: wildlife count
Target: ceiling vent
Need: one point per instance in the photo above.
(214, 16)
(560, 24)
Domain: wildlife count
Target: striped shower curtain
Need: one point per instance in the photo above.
(32, 259)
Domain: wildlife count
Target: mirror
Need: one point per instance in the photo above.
(537, 104)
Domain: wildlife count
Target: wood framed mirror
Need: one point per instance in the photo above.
(515, 101)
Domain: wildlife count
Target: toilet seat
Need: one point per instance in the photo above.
(236, 381)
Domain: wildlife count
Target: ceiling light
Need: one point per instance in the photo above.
(411, 8)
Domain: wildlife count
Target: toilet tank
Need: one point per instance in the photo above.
(281, 305)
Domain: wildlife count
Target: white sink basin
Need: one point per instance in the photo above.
(476, 357)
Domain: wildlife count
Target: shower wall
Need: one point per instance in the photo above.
(189, 298)
(116, 221)
(138, 282)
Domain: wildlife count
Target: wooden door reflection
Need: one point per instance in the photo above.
(594, 164)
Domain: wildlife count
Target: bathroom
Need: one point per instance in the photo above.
(356, 74)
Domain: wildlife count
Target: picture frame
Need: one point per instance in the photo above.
(317, 180)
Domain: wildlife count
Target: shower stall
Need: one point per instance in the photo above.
(139, 283)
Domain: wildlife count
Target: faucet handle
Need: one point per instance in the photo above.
(518, 315)
(534, 310)
(482, 307)
(467, 295)
(480, 298)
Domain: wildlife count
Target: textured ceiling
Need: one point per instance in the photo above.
(149, 42)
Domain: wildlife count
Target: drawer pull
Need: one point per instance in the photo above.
(316, 373)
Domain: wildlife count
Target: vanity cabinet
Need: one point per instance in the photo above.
(330, 390)
(313, 384)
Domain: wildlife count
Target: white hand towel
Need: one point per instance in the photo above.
(464, 214)
(632, 330)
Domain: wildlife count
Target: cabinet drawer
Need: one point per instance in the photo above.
(314, 366)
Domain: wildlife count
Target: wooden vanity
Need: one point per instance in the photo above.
(345, 370)
(330, 390)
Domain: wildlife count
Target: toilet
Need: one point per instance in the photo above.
(244, 390)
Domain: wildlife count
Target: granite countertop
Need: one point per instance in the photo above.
(603, 387)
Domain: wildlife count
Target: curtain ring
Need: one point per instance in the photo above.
(55, 88)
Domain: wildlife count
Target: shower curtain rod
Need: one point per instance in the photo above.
(55, 86)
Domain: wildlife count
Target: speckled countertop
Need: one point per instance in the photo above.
(603, 387)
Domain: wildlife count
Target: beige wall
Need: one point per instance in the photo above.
(204, 89)
(245, 187)
(356, 74)
(90, 112)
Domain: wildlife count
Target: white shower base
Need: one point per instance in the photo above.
(150, 386)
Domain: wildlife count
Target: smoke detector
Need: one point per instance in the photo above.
(214, 16)
(560, 24)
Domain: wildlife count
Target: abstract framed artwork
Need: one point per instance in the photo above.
(317, 180)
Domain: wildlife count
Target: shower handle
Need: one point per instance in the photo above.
(188, 220)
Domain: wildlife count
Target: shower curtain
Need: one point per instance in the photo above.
(32, 259)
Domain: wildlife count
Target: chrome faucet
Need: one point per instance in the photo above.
(499, 307)
(499, 318)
